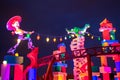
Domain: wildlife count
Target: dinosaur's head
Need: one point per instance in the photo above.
(87, 25)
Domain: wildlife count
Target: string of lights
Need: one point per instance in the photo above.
(93, 36)
(53, 38)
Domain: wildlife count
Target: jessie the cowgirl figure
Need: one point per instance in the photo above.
(13, 25)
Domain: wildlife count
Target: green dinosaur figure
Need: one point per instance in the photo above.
(78, 31)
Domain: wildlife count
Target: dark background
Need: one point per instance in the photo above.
(51, 17)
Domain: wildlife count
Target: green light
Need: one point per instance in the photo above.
(98, 38)
(69, 37)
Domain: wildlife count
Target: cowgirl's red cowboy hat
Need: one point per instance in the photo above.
(11, 21)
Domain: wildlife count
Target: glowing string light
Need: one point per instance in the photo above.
(38, 37)
(69, 37)
(98, 38)
(47, 39)
(65, 38)
(54, 39)
(92, 37)
(60, 39)
(88, 34)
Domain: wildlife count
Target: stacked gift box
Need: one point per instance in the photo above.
(12, 68)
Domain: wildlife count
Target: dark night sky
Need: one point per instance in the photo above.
(51, 17)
